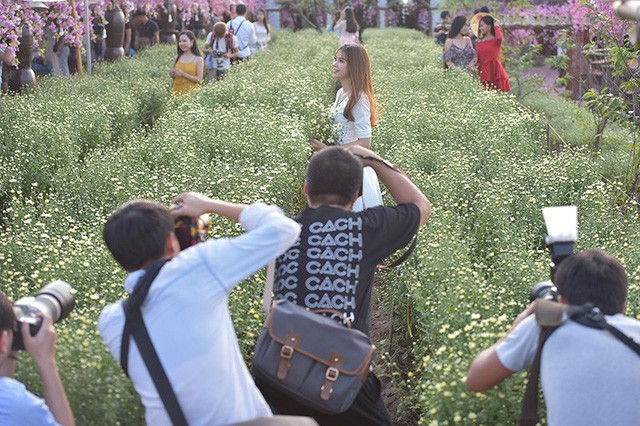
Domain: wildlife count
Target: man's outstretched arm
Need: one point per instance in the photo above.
(487, 370)
(41, 347)
(399, 185)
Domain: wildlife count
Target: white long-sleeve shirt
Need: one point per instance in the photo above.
(186, 313)
(245, 32)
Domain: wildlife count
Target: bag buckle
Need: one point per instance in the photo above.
(332, 374)
(286, 352)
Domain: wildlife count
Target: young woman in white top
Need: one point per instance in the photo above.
(355, 111)
(263, 31)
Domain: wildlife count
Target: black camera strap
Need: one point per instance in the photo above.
(529, 410)
(136, 328)
(589, 316)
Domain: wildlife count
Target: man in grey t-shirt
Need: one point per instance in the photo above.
(588, 376)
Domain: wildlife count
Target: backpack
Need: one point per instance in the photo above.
(233, 32)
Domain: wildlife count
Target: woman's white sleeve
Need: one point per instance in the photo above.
(362, 117)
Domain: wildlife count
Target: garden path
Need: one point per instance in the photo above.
(550, 75)
(381, 330)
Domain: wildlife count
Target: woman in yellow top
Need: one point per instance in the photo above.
(188, 68)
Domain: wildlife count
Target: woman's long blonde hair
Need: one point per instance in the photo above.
(359, 67)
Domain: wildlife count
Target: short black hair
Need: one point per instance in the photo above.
(334, 176)
(241, 9)
(593, 276)
(484, 9)
(136, 233)
(139, 12)
(7, 316)
(444, 14)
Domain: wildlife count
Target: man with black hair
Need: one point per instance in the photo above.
(333, 262)
(18, 406)
(442, 28)
(244, 31)
(588, 376)
(147, 31)
(186, 311)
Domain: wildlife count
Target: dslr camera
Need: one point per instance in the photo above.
(191, 230)
(562, 233)
(219, 54)
(54, 300)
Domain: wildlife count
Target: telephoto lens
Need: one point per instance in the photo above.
(54, 300)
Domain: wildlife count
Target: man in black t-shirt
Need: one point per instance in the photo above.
(147, 32)
(332, 265)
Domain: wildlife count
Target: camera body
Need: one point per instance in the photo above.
(219, 54)
(544, 290)
(191, 230)
(54, 300)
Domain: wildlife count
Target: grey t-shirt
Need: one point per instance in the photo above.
(588, 376)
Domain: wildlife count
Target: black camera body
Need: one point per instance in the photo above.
(544, 290)
(191, 230)
(219, 54)
(54, 300)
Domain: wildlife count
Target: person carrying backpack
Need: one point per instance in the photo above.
(220, 48)
(244, 31)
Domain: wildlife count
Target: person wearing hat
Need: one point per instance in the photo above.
(488, 46)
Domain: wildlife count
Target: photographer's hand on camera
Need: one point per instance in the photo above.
(194, 205)
(42, 348)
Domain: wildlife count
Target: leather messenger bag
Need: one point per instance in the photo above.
(312, 358)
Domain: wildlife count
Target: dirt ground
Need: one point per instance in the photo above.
(381, 331)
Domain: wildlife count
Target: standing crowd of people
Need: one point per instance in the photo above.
(231, 42)
(475, 46)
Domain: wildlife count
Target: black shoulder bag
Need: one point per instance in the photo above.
(549, 317)
(134, 327)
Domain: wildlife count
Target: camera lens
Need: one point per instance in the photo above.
(543, 290)
(57, 297)
(54, 300)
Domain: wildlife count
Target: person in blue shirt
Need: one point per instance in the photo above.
(18, 406)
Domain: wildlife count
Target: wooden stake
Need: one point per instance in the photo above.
(78, 48)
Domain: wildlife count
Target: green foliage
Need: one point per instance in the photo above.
(519, 58)
(617, 101)
(74, 150)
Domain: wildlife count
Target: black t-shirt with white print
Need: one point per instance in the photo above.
(332, 264)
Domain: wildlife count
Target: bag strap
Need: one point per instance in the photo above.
(402, 258)
(529, 409)
(136, 328)
(268, 286)
(589, 316)
(234, 32)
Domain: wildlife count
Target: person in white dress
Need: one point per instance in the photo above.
(355, 112)
(263, 31)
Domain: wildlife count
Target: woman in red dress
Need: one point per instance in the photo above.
(488, 45)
